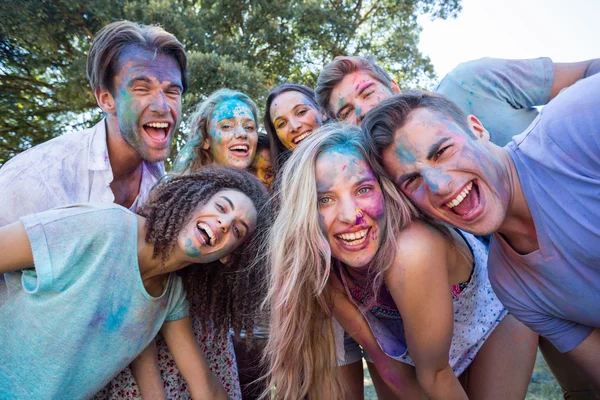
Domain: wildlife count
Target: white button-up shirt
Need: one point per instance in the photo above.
(73, 168)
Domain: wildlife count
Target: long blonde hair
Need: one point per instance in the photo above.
(301, 349)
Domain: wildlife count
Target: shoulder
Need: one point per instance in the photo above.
(570, 123)
(421, 247)
(95, 215)
(57, 154)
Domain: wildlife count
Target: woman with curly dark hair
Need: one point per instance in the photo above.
(108, 275)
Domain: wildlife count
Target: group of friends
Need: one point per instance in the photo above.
(441, 237)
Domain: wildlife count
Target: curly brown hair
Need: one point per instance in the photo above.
(224, 296)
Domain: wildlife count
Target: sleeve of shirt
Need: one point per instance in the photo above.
(21, 195)
(514, 295)
(179, 306)
(60, 238)
(564, 335)
(572, 122)
(520, 83)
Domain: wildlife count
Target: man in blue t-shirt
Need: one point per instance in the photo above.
(539, 196)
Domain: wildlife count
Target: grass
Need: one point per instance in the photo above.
(543, 386)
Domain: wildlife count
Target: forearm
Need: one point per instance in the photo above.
(146, 373)
(441, 384)
(209, 388)
(202, 383)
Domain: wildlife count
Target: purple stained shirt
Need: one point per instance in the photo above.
(556, 289)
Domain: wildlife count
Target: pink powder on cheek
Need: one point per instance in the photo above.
(375, 207)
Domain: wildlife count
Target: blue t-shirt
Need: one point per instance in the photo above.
(82, 314)
(501, 93)
(556, 289)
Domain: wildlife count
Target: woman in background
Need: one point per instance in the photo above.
(291, 115)
(223, 130)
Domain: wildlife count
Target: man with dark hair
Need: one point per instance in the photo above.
(502, 93)
(138, 75)
(539, 196)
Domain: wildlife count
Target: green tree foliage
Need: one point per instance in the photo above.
(247, 45)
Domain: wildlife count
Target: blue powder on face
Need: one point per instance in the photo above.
(189, 249)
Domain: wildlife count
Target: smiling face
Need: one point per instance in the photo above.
(294, 118)
(454, 176)
(232, 134)
(355, 95)
(262, 167)
(351, 205)
(217, 228)
(147, 94)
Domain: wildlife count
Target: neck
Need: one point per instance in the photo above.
(124, 160)
(518, 227)
(154, 271)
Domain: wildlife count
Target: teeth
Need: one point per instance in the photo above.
(461, 196)
(239, 147)
(158, 124)
(209, 232)
(301, 137)
(354, 238)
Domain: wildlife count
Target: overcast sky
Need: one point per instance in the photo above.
(565, 30)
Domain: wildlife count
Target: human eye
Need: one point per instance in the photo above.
(364, 190)
(301, 112)
(236, 232)
(250, 127)
(440, 152)
(140, 89)
(409, 183)
(174, 91)
(368, 94)
(344, 114)
(324, 200)
(220, 207)
(280, 124)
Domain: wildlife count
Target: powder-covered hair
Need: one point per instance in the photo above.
(228, 296)
(384, 120)
(334, 72)
(301, 350)
(110, 42)
(279, 153)
(192, 155)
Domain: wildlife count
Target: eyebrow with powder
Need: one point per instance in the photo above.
(405, 177)
(135, 79)
(434, 148)
(146, 79)
(365, 87)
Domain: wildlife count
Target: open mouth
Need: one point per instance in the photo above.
(158, 132)
(240, 150)
(300, 138)
(466, 201)
(206, 233)
(353, 238)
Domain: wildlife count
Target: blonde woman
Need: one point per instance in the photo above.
(223, 130)
(412, 293)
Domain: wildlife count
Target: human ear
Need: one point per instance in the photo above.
(206, 144)
(105, 100)
(477, 128)
(226, 259)
(395, 87)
